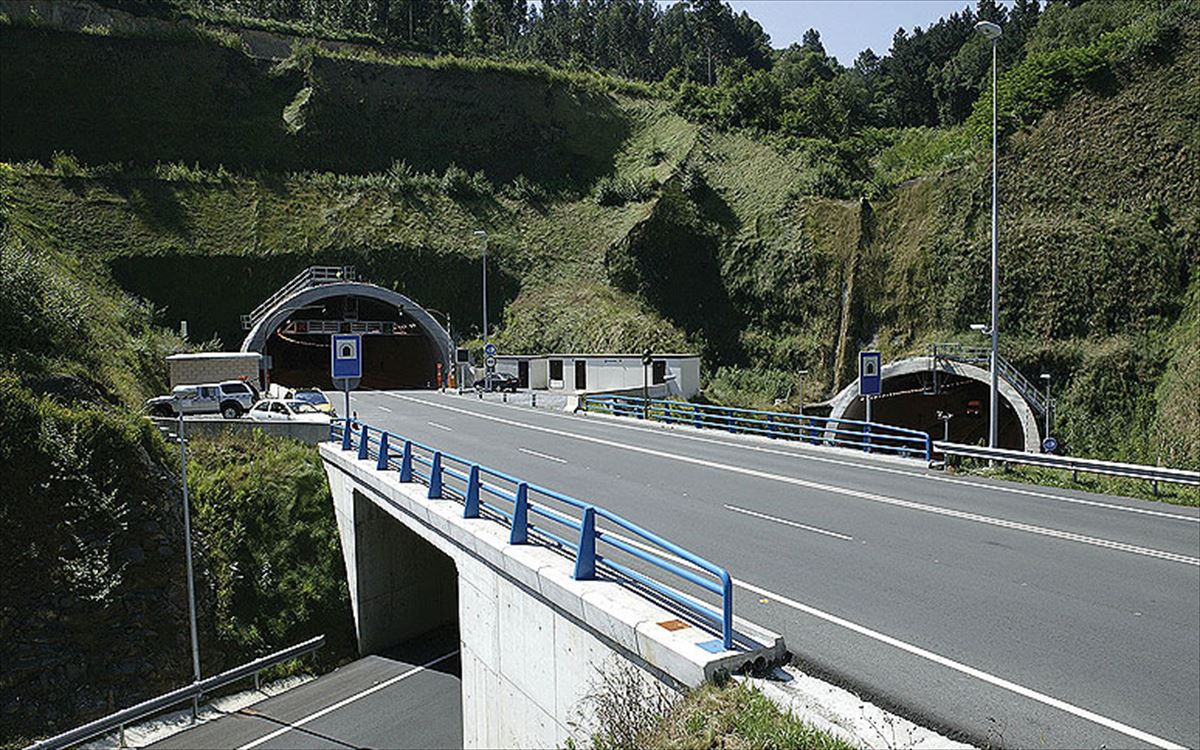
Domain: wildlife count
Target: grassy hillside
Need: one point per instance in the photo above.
(615, 223)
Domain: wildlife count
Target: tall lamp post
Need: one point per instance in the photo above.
(992, 33)
(187, 533)
(1046, 377)
(487, 373)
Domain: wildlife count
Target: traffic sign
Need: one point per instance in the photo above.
(491, 363)
(870, 378)
(489, 350)
(1050, 444)
(345, 360)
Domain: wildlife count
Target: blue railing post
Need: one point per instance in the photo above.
(435, 476)
(696, 416)
(585, 556)
(381, 465)
(726, 611)
(519, 534)
(406, 462)
(867, 436)
(928, 447)
(364, 447)
(346, 437)
(770, 426)
(471, 503)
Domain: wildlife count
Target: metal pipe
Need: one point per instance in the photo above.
(993, 416)
(187, 533)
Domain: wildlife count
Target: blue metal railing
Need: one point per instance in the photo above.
(869, 436)
(530, 510)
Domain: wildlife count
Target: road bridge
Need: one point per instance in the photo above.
(1013, 615)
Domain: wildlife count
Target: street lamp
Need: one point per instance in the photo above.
(992, 32)
(1046, 377)
(187, 533)
(487, 373)
(802, 374)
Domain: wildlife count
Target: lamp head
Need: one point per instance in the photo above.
(979, 327)
(990, 31)
(480, 233)
(1045, 376)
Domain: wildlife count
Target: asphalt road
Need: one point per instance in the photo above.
(1003, 613)
(409, 697)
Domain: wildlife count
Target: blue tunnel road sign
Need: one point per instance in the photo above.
(870, 376)
(346, 359)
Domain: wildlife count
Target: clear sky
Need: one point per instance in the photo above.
(847, 26)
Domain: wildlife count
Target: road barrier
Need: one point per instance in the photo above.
(587, 532)
(869, 436)
(1153, 474)
(192, 692)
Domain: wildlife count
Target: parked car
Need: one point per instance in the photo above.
(231, 399)
(317, 399)
(501, 381)
(287, 410)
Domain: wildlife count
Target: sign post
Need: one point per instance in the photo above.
(489, 365)
(345, 363)
(870, 383)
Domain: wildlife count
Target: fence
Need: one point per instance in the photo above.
(868, 436)
(192, 692)
(535, 512)
(1153, 474)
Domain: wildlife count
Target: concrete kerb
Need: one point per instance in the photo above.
(618, 615)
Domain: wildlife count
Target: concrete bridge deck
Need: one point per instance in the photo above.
(1010, 614)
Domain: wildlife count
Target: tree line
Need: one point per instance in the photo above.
(930, 76)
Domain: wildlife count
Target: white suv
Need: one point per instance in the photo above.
(231, 399)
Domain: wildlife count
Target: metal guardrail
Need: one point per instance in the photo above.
(129, 715)
(561, 521)
(981, 355)
(1153, 474)
(869, 436)
(312, 276)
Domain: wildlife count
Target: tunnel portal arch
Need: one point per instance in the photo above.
(1022, 422)
(438, 348)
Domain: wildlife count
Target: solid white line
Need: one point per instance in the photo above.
(680, 431)
(546, 456)
(978, 674)
(346, 701)
(870, 496)
(786, 522)
(440, 426)
(928, 655)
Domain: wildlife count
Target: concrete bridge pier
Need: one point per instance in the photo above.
(535, 642)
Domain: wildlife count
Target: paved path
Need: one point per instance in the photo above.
(407, 698)
(1005, 613)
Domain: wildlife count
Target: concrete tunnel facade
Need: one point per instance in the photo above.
(406, 360)
(1019, 427)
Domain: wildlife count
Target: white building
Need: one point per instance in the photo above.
(668, 375)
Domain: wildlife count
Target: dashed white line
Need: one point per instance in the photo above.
(440, 426)
(928, 655)
(546, 456)
(870, 496)
(786, 522)
(383, 408)
(346, 701)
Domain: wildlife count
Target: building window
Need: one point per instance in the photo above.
(556, 369)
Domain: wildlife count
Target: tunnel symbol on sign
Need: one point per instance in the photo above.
(870, 366)
(348, 350)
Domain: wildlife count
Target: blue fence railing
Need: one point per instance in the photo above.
(590, 534)
(868, 436)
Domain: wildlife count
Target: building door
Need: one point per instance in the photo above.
(660, 371)
(523, 373)
(580, 374)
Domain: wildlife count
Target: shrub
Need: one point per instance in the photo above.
(617, 191)
(461, 184)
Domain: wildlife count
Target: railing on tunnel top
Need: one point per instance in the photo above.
(534, 512)
(868, 436)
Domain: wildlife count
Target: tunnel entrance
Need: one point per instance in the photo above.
(403, 346)
(911, 401)
(397, 353)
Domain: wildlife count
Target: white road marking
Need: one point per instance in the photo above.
(440, 426)
(786, 522)
(926, 654)
(870, 496)
(546, 456)
(970, 671)
(346, 701)
(801, 453)
(383, 408)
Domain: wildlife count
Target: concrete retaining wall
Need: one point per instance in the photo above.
(534, 641)
(305, 432)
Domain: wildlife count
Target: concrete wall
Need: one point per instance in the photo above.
(534, 640)
(305, 432)
(214, 367)
(607, 373)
